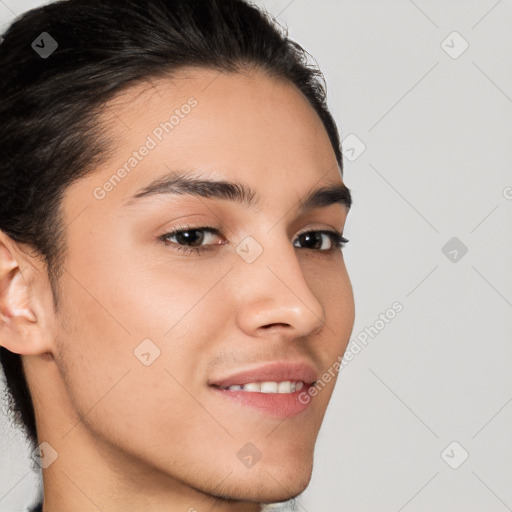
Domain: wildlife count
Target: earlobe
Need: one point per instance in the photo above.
(19, 326)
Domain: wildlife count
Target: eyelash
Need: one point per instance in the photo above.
(337, 238)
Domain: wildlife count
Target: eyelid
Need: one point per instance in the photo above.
(323, 228)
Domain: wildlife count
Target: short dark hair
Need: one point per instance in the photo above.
(49, 107)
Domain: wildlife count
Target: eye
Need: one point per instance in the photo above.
(313, 240)
(190, 235)
(189, 239)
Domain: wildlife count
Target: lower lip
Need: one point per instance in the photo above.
(279, 405)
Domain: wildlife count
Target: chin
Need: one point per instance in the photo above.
(272, 485)
(286, 489)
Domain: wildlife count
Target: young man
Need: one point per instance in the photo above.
(173, 296)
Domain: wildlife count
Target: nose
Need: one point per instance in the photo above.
(272, 292)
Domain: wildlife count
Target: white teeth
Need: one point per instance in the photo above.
(252, 386)
(268, 387)
(284, 387)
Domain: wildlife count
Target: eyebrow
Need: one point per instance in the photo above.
(177, 182)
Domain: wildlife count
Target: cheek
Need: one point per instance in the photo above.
(333, 288)
(331, 285)
(132, 335)
(128, 388)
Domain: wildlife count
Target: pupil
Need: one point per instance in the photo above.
(308, 237)
(188, 239)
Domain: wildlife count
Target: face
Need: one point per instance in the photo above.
(152, 327)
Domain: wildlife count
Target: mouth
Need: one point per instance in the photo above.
(283, 387)
(275, 389)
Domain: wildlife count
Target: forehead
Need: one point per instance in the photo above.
(245, 126)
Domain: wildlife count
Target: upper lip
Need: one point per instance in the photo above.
(272, 371)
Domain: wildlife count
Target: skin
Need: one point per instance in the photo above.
(132, 437)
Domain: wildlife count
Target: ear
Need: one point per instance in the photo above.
(21, 314)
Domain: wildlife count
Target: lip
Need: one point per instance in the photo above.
(272, 371)
(277, 405)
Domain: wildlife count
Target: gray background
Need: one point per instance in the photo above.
(437, 129)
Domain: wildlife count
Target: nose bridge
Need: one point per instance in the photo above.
(272, 288)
